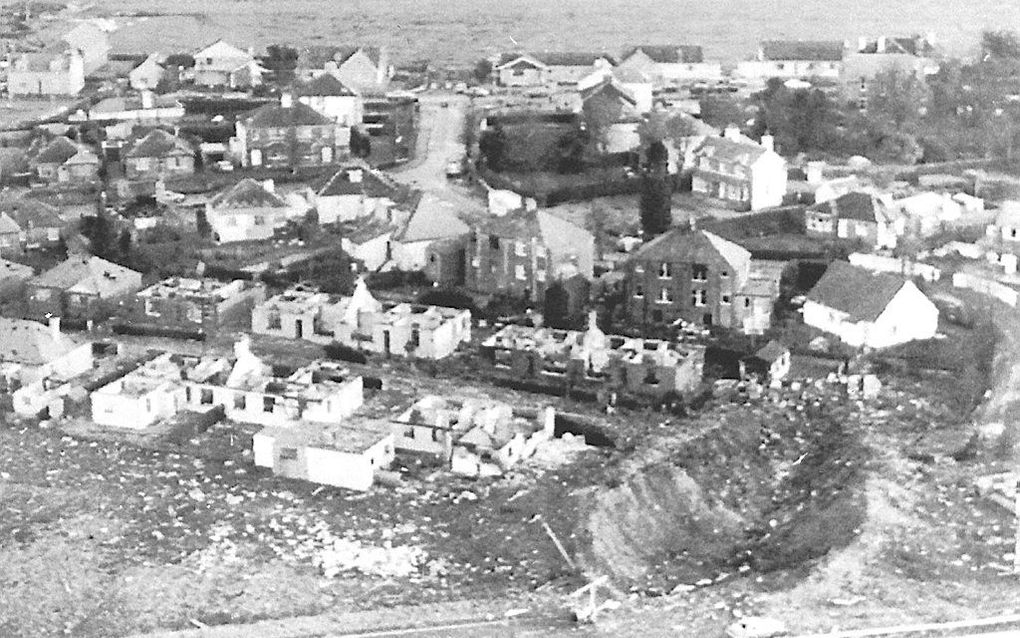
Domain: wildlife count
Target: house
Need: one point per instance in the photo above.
(150, 393)
(147, 109)
(331, 98)
(147, 75)
(356, 191)
(794, 59)
(369, 241)
(189, 306)
(1004, 233)
(612, 363)
(64, 161)
(912, 55)
(523, 251)
(157, 155)
(431, 221)
(289, 134)
(770, 363)
(12, 274)
(362, 68)
(871, 310)
(626, 103)
(79, 287)
(695, 277)
(38, 224)
(224, 65)
(91, 42)
(536, 69)
(755, 303)
(925, 214)
(855, 216)
(247, 211)
(360, 321)
(31, 351)
(46, 73)
(671, 63)
(347, 457)
(735, 169)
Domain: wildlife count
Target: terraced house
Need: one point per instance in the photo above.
(795, 59)
(671, 63)
(289, 134)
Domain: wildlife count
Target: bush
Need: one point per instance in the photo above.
(449, 298)
(341, 352)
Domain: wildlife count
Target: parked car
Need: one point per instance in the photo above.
(454, 168)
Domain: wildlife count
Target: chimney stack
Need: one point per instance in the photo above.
(54, 323)
(768, 142)
(269, 185)
(732, 132)
(287, 99)
(148, 100)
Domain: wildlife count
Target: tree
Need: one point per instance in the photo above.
(483, 71)
(722, 110)
(656, 194)
(1000, 45)
(570, 151)
(600, 114)
(281, 61)
(493, 145)
(800, 120)
(897, 101)
(361, 143)
(179, 61)
(897, 148)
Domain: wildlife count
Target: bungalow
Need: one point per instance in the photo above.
(289, 134)
(192, 306)
(619, 107)
(535, 69)
(222, 64)
(331, 98)
(431, 221)
(39, 225)
(794, 59)
(64, 161)
(151, 393)
(78, 288)
(925, 214)
(357, 191)
(147, 75)
(369, 241)
(247, 211)
(521, 70)
(31, 351)
(771, 363)
(671, 63)
(157, 155)
(738, 170)
(55, 72)
(362, 68)
(856, 216)
(147, 109)
(871, 310)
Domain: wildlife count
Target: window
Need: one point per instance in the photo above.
(699, 297)
(519, 272)
(639, 268)
(415, 340)
(260, 220)
(540, 275)
(274, 321)
(150, 308)
(493, 243)
(288, 454)
(639, 291)
(520, 249)
(206, 398)
(747, 302)
(665, 296)
(268, 404)
(726, 300)
(664, 270)
(240, 401)
(699, 272)
(650, 377)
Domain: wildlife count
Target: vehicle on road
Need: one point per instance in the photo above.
(455, 168)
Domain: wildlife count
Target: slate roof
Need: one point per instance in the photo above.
(247, 194)
(681, 246)
(31, 213)
(31, 343)
(431, 220)
(325, 84)
(58, 151)
(86, 274)
(856, 205)
(372, 184)
(316, 57)
(860, 293)
(159, 143)
(726, 150)
(610, 89)
(803, 50)
(10, 270)
(669, 53)
(772, 351)
(559, 235)
(560, 58)
(279, 116)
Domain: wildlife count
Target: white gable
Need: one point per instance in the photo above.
(222, 49)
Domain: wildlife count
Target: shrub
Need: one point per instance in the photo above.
(341, 352)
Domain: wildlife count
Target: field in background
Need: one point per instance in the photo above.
(464, 30)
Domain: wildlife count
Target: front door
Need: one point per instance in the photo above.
(299, 328)
(386, 341)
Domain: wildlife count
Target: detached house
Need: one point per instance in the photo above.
(671, 63)
(147, 75)
(431, 222)
(738, 170)
(77, 288)
(855, 216)
(159, 154)
(535, 69)
(247, 211)
(357, 191)
(32, 352)
(363, 69)
(795, 59)
(332, 98)
(222, 64)
(63, 161)
(27, 224)
(289, 134)
(526, 250)
(866, 309)
(91, 42)
(521, 70)
(55, 72)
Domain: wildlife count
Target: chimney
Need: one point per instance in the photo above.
(814, 172)
(148, 100)
(768, 142)
(732, 132)
(269, 185)
(862, 44)
(354, 176)
(54, 328)
(287, 99)
(881, 44)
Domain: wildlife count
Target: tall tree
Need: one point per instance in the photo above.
(483, 71)
(1000, 45)
(493, 145)
(655, 204)
(281, 61)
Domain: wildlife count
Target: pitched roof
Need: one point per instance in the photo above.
(31, 343)
(431, 220)
(58, 151)
(727, 150)
(856, 205)
(860, 293)
(121, 104)
(325, 84)
(13, 270)
(225, 56)
(83, 156)
(771, 352)
(8, 225)
(159, 143)
(803, 50)
(611, 89)
(361, 180)
(247, 194)
(509, 60)
(701, 246)
(31, 213)
(279, 116)
(559, 235)
(316, 57)
(669, 53)
(571, 58)
(86, 274)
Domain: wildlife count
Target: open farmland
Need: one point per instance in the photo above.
(466, 30)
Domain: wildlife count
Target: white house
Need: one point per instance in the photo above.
(332, 98)
(357, 191)
(671, 63)
(46, 73)
(794, 59)
(143, 397)
(926, 213)
(37, 359)
(432, 221)
(223, 64)
(147, 75)
(247, 211)
(536, 69)
(739, 170)
(871, 310)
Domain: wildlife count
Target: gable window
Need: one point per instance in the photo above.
(699, 272)
(665, 296)
(699, 298)
(664, 270)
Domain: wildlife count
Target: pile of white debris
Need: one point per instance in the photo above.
(388, 561)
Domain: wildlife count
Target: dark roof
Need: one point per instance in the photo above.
(85, 273)
(247, 194)
(727, 150)
(57, 152)
(279, 116)
(669, 53)
(316, 57)
(570, 58)
(855, 205)
(372, 184)
(159, 143)
(855, 291)
(682, 246)
(31, 213)
(806, 50)
(771, 352)
(610, 89)
(559, 235)
(325, 84)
